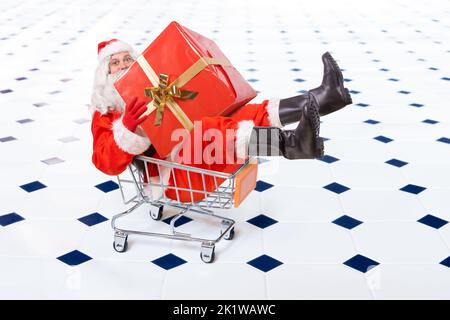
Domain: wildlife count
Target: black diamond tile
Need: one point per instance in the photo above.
(383, 139)
(74, 258)
(7, 139)
(396, 163)
(23, 121)
(169, 261)
(444, 140)
(411, 188)
(179, 222)
(347, 222)
(265, 263)
(433, 221)
(361, 263)
(262, 221)
(336, 188)
(328, 159)
(10, 218)
(262, 186)
(446, 262)
(33, 186)
(39, 104)
(92, 219)
(107, 186)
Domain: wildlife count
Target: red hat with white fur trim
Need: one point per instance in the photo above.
(110, 47)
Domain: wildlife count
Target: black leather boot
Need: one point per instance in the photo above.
(330, 95)
(301, 143)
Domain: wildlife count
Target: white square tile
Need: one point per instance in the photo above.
(357, 150)
(400, 243)
(427, 174)
(317, 281)
(31, 278)
(59, 203)
(312, 204)
(106, 279)
(420, 151)
(412, 282)
(40, 238)
(207, 281)
(365, 175)
(445, 233)
(382, 205)
(436, 201)
(348, 130)
(315, 243)
(282, 172)
(250, 207)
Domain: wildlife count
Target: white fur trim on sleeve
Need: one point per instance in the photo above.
(273, 110)
(128, 141)
(243, 135)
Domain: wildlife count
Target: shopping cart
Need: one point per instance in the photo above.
(230, 189)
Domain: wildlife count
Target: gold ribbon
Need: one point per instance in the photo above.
(163, 94)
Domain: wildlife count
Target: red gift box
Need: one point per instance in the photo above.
(201, 82)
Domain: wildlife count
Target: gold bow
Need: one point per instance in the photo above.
(164, 92)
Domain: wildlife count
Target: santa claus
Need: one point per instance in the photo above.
(256, 127)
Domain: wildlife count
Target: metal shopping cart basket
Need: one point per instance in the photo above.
(232, 190)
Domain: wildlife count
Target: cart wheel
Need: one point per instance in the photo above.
(229, 235)
(207, 259)
(224, 226)
(207, 254)
(120, 243)
(156, 211)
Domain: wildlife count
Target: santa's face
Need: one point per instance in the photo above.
(120, 62)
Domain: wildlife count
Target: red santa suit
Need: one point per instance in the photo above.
(114, 146)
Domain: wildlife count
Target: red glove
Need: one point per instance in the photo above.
(133, 111)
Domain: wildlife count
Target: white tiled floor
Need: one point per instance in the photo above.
(323, 240)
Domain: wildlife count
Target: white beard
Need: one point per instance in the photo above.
(111, 92)
(105, 97)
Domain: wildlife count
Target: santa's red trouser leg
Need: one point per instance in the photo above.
(218, 144)
(263, 114)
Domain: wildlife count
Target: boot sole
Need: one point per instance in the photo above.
(314, 120)
(340, 79)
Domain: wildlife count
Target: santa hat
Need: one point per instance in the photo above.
(104, 96)
(110, 47)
